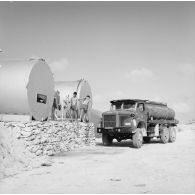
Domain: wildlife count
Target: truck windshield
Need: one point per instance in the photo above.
(128, 105)
(122, 105)
(116, 106)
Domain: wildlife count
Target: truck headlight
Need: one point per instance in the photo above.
(127, 123)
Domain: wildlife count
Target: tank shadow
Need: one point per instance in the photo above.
(86, 153)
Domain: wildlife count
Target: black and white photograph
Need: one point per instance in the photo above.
(97, 97)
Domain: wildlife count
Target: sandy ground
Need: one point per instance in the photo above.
(155, 168)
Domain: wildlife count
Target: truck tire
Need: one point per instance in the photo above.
(172, 134)
(106, 139)
(137, 138)
(146, 139)
(164, 135)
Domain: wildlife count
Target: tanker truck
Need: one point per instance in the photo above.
(139, 120)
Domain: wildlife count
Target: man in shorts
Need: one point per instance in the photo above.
(74, 106)
(66, 108)
(86, 104)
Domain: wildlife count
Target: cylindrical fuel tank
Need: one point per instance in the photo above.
(159, 111)
(26, 88)
(66, 88)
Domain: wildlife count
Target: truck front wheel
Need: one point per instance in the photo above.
(164, 135)
(137, 138)
(106, 139)
(172, 134)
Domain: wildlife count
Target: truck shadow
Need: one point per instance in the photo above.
(128, 143)
(100, 149)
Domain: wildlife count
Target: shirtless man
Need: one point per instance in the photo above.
(84, 116)
(66, 108)
(74, 106)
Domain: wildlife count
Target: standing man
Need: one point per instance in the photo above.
(84, 117)
(54, 107)
(58, 100)
(74, 106)
(66, 108)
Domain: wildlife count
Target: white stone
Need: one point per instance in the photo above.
(39, 152)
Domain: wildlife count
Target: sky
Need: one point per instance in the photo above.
(123, 49)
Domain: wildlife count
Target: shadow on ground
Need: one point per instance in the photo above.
(128, 143)
(99, 149)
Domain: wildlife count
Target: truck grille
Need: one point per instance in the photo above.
(109, 120)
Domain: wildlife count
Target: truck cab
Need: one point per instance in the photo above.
(138, 120)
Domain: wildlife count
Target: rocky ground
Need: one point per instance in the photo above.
(28, 145)
(155, 168)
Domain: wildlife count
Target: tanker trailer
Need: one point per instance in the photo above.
(159, 111)
(66, 89)
(26, 88)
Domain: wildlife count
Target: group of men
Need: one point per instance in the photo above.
(73, 108)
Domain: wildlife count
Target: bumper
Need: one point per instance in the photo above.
(115, 130)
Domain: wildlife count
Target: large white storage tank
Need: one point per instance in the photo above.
(26, 88)
(66, 89)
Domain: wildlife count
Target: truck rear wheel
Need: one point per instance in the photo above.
(164, 135)
(106, 139)
(172, 134)
(137, 138)
(146, 139)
